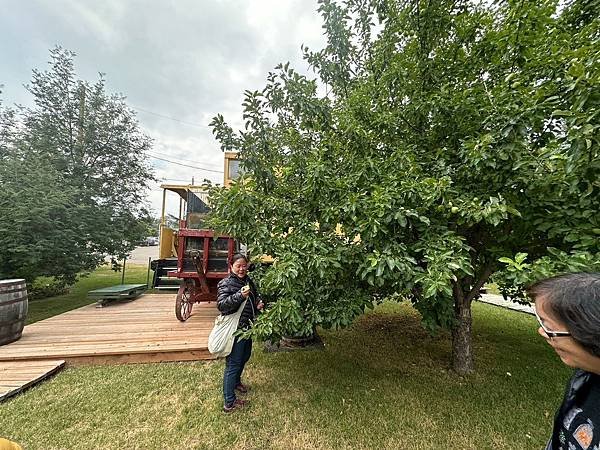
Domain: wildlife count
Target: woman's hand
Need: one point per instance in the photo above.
(260, 305)
(245, 291)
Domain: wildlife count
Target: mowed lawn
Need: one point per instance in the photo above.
(384, 383)
(77, 295)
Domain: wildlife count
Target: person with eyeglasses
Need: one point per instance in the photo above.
(567, 308)
(231, 294)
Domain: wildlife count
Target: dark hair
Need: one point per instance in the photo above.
(236, 257)
(575, 299)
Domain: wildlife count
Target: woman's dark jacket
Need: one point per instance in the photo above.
(581, 386)
(229, 298)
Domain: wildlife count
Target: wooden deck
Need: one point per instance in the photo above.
(142, 330)
(18, 375)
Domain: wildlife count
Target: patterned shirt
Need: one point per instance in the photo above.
(580, 425)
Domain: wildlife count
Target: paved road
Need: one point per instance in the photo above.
(498, 300)
(140, 255)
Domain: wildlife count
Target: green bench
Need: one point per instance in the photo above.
(118, 292)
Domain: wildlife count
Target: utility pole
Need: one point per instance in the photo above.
(81, 117)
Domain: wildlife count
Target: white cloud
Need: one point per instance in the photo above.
(187, 60)
(89, 18)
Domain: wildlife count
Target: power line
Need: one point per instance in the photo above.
(185, 165)
(185, 160)
(170, 118)
(180, 121)
(173, 179)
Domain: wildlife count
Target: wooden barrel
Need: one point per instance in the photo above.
(13, 309)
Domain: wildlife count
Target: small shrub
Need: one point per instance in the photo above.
(44, 287)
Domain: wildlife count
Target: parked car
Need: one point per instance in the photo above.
(151, 240)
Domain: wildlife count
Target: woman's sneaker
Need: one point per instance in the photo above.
(237, 404)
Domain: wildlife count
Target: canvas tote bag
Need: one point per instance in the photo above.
(220, 340)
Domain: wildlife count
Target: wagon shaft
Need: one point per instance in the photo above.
(204, 289)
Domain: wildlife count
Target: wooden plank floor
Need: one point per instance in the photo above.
(18, 375)
(142, 330)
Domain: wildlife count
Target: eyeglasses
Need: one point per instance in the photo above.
(551, 334)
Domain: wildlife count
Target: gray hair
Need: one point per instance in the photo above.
(575, 299)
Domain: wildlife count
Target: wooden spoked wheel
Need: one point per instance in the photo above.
(183, 302)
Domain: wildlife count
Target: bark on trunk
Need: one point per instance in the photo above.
(464, 292)
(462, 349)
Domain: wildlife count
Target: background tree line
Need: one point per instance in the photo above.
(73, 173)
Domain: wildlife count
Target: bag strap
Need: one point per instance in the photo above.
(240, 309)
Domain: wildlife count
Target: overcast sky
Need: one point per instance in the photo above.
(183, 59)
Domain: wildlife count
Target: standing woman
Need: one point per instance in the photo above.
(568, 310)
(231, 293)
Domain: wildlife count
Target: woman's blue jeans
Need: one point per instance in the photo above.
(234, 366)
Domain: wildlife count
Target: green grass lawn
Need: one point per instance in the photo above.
(381, 384)
(77, 296)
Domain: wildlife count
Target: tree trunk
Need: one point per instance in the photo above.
(462, 349)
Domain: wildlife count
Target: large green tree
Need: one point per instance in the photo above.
(73, 172)
(451, 140)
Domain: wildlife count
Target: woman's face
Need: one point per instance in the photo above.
(240, 267)
(568, 349)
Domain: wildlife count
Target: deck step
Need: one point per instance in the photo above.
(15, 376)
